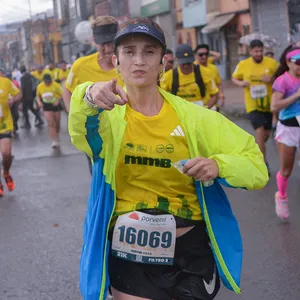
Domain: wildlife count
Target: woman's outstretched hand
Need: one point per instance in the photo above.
(107, 94)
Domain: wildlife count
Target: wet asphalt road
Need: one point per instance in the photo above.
(41, 225)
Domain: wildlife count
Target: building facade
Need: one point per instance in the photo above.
(227, 22)
(10, 47)
(271, 17)
(46, 39)
(279, 19)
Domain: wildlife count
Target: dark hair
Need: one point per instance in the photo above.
(201, 46)
(169, 51)
(283, 67)
(256, 43)
(47, 77)
(23, 69)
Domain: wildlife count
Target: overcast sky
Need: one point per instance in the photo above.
(18, 10)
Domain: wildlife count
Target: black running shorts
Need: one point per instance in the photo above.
(193, 275)
(51, 107)
(261, 119)
(6, 135)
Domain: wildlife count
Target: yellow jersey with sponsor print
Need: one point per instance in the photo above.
(149, 147)
(53, 73)
(38, 76)
(49, 93)
(7, 88)
(258, 94)
(87, 69)
(188, 88)
(63, 75)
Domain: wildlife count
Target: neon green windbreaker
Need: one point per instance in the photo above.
(99, 134)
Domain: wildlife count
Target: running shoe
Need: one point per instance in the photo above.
(10, 184)
(55, 144)
(282, 207)
(1, 190)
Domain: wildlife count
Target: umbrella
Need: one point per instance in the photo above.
(269, 42)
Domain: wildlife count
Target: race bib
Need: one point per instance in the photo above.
(258, 91)
(200, 103)
(144, 238)
(48, 97)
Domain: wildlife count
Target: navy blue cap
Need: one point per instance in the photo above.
(146, 29)
(185, 54)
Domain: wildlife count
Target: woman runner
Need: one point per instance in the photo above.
(152, 231)
(286, 100)
(49, 95)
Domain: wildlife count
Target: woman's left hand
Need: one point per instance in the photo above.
(201, 168)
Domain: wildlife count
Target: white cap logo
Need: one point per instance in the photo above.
(141, 28)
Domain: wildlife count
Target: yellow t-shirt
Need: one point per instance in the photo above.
(6, 88)
(87, 69)
(145, 177)
(37, 75)
(188, 88)
(53, 73)
(63, 75)
(258, 94)
(216, 73)
(49, 93)
(210, 60)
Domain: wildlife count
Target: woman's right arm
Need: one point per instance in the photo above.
(278, 103)
(84, 122)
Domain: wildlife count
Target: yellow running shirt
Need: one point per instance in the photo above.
(87, 69)
(258, 94)
(188, 88)
(215, 72)
(38, 76)
(53, 73)
(6, 88)
(63, 75)
(49, 93)
(145, 177)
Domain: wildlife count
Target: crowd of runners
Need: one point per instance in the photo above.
(153, 226)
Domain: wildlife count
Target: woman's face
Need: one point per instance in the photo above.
(140, 60)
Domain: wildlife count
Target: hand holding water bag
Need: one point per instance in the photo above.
(179, 166)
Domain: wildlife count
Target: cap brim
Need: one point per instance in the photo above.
(104, 38)
(118, 39)
(186, 60)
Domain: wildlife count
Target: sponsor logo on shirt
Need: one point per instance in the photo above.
(148, 161)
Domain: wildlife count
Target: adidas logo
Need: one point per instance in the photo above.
(177, 131)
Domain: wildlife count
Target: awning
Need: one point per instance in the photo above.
(217, 23)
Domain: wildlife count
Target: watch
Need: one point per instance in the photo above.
(88, 98)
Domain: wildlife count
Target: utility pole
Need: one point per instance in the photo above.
(30, 10)
(28, 31)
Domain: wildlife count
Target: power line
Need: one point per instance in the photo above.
(13, 7)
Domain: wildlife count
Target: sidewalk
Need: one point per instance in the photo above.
(234, 100)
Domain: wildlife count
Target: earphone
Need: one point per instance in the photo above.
(117, 61)
(163, 61)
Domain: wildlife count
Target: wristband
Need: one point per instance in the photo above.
(88, 98)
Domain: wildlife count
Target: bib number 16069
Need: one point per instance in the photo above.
(142, 238)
